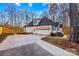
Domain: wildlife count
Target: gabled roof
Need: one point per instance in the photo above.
(45, 21)
(42, 22)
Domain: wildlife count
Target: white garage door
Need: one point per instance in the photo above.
(43, 30)
(46, 32)
(30, 29)
(39, 30)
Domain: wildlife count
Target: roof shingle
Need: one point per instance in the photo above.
(42, 22)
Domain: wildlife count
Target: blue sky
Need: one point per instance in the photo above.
(33, 6)
(39, 7)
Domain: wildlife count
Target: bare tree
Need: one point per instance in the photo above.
(2, 16)
(32, 14)
(12, 14)
(64, 9)
(45, 14)
(53, 7)
(53, 10)
(24, 16)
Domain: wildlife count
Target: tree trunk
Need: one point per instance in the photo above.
(73, 22)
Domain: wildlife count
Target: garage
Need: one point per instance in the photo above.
(40, 26)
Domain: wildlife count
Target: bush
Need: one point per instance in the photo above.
(53, 34)
(59, 34)
(2, 37)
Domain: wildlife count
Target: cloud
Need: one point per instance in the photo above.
(18, 4)
(30, 4)
(44, 4)
(40, 12)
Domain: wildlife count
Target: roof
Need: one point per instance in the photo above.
(41, 22)
(45, 21)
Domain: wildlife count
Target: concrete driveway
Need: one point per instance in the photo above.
(31, 45)
(22, 45)
(13, 41)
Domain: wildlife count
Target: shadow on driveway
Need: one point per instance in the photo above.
(26, 50)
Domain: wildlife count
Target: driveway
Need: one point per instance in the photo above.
(32, 45)
(19, 40)
(22, 45)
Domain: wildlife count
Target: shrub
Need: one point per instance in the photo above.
(2, 37)
(59, 34)
(53, 34)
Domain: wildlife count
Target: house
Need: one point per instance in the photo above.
(10, 30)
(40, 26)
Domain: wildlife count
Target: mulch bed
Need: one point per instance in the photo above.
(63, 43)
(25, 33)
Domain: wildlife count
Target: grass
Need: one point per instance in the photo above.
(2, 37)
(63, 43)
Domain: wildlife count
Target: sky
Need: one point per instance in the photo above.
(39, 7)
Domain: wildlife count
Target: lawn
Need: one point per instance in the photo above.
(2, 37)
(63, 43)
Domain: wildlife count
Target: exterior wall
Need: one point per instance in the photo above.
(40, 29)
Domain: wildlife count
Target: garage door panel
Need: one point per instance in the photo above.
(43, 32)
